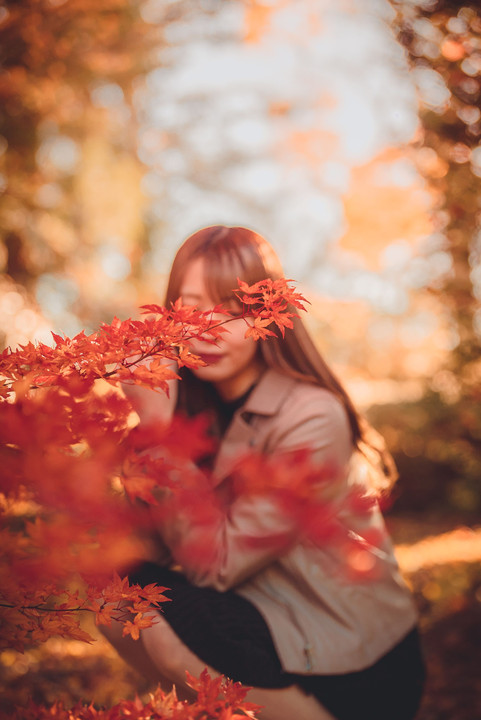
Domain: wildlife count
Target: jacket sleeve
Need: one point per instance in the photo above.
(225, 546)
(233, 545)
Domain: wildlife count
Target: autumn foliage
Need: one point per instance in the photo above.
(78, 476)
(216, 698)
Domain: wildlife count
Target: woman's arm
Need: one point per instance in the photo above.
(221, 547)
(231, 547)
(152, 406)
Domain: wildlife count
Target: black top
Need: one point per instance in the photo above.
(196, 398)
(226, 409)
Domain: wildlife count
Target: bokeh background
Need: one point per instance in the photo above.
(349, 134)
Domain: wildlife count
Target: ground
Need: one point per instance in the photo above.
(440, 560)
(442, 566)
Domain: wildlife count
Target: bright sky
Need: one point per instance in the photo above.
(267, 132)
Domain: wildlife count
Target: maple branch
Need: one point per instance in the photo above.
(155, 349)
(42, 608)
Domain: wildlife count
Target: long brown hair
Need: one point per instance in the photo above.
(237, 252)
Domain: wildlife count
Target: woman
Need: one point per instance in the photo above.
(272, 609)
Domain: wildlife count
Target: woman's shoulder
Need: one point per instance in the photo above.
(308, 401)
(314, 396)
(308, 398)
(311, 416)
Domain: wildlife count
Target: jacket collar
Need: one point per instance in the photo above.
(269, 393)
(242, 436)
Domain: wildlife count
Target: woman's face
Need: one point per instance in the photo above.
(234, 362)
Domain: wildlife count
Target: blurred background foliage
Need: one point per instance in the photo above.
(69, 166)
(437, 440)
(127, 124)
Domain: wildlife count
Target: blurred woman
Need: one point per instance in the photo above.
(271, 608)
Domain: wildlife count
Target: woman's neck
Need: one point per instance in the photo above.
(232, 388)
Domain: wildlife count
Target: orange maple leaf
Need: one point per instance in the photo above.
(134, 627)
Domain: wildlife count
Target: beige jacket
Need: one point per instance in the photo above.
(322, 620)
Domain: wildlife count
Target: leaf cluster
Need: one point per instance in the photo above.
(217, 698)
(273, 301)
(79, 478)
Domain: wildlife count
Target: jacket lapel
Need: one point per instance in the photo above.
(246, 432)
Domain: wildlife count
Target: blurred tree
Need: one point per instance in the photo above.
(443, 41)
(437, 441)
(67, 135)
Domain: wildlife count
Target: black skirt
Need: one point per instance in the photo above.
(229, 634)
(222, 628)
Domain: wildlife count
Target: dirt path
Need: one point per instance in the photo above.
(444, 570)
